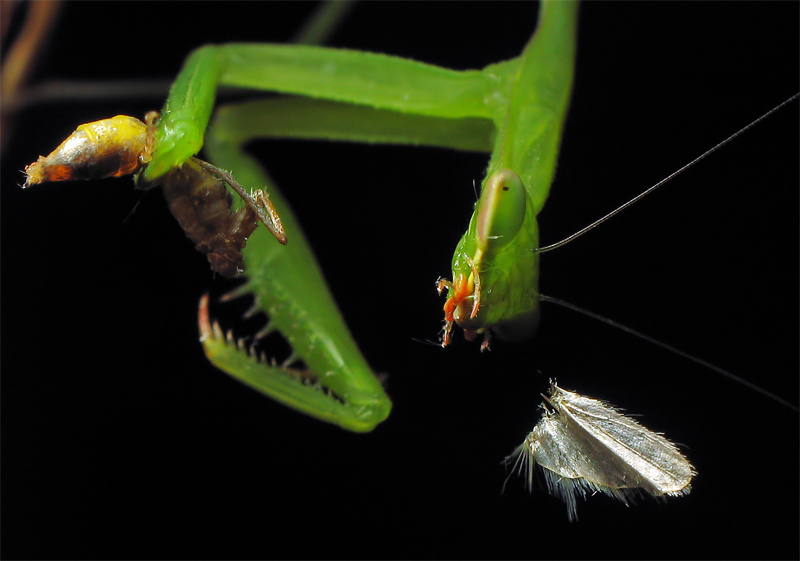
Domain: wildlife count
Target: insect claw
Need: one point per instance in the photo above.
(204, 320)
(443, 284)
(269, 216)
(487, 338)
(447, 331)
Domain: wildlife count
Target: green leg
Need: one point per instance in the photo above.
(379, 81)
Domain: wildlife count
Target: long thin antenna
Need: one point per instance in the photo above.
(643, 194)
(684, 354)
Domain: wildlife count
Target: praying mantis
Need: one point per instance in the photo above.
(472, 418)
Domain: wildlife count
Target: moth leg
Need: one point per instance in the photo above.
(487, 339)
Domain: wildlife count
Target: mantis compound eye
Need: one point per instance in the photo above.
(96, 150)
(501, 209)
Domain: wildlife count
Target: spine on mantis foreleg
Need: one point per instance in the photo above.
(334, 382)
(289, 287)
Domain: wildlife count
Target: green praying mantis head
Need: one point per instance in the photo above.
(495, 266)
(496, 263)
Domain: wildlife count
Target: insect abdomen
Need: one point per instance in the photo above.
(106, 148)
(202, 206)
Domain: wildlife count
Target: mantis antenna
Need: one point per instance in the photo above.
(646, 192)
(639, 334)
(670, 348)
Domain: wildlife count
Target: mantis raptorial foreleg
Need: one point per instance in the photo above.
(405, 102)
(350, 77)
(526, 99)
(283, 279)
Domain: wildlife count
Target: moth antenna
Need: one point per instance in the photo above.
(646, 192)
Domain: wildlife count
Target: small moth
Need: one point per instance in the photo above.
(584, 444)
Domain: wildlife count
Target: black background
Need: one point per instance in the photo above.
(119, 440)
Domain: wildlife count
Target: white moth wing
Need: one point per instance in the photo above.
(633, 456)
(586, 445)
(561, 444)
